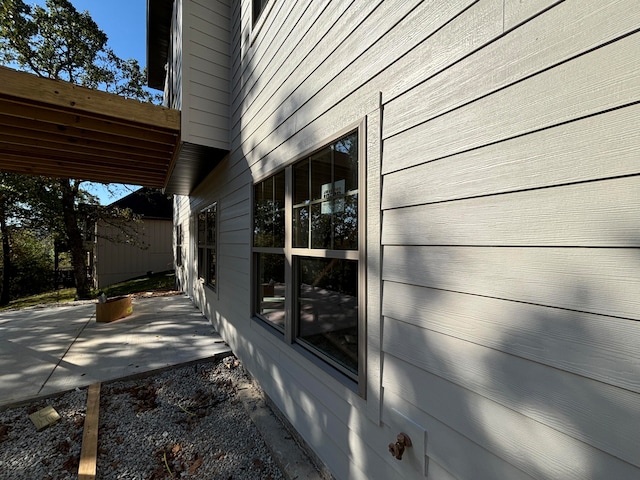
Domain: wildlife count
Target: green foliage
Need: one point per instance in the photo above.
(32, 263)
(158, 282)
(56, 41)
(54, 296)
(163, 281)
(59, 42)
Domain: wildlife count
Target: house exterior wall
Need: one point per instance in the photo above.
(502, 229)
(115, 262)
(199, 73)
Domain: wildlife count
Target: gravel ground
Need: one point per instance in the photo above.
(185, 422)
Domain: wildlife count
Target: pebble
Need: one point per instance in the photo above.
(186, 421)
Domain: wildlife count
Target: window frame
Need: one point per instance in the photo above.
(205, 247)
(290, 332)
(257, 22)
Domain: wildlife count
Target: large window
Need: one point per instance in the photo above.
(307, 254)
(207, 241)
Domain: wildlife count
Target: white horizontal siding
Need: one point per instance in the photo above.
(205, 81)
(602, 79)
(542, 42)
(504, 165)
(584, 215)
(595, 413)
(542, 159)
(530, 446)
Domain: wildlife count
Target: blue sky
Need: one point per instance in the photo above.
(124, 22)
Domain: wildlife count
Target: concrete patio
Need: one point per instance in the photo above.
(52, 349)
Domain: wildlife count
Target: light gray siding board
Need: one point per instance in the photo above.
(201, 133)
(202, 116)
(541, 159)
(204, 87)
(236, 237)
(211, 14)
(198, 66)
(329, 88)
(603, 416)
(333, 59)
(450, 454)
(588, 345)
(517, 11)
(530, 446)
(275, 37)
(280, 37)
(218, 56)
(550, 39)
(236, 206)
(585, 215)
(310, 427)
(303, 62)
(602, 281)
(288, 142)
(343, 427)
(342, 420)
(541, 101)
(469, 31)
(210, 33)
(234, 224)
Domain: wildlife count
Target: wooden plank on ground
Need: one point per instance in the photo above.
(89, 453)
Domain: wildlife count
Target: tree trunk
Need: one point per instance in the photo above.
(6, 259)
(74, 238)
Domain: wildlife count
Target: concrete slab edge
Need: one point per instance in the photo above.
(146, 373)
(290, 452)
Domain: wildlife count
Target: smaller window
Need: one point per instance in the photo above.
(258, 7)
(179, 240)
(207, 241)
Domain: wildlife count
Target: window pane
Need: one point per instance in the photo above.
(346, 224)
(321, 175)
(327, 310)
(211, 267)
(301, 227)
(211, 225)
(202, 225)
(268, 212)
(321, 225)
(271, 287)
(201, 259)
(278, 209)
(345, 161)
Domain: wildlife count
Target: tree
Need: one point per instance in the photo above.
(57, 41)
(19, 195)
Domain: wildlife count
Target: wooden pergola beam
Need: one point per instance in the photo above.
(57, 129)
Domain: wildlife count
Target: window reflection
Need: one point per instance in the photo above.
(328, 308)
(268, 215)
(271, 287)
(325, 198)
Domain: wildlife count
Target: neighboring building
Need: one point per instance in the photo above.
(418, 217)
(114, 258)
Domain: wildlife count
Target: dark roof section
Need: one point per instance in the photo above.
(158, 34)
(150, 203)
